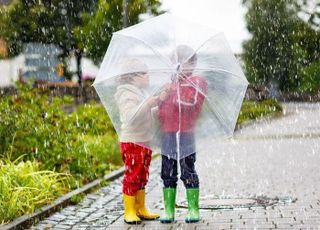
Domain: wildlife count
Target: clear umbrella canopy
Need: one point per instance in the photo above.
(168, 84)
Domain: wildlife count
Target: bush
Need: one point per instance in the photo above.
(50, 144)
(105, 152)
(252, 110)
(311, 78)
(91, 119)
(35, 126)
(23, 188)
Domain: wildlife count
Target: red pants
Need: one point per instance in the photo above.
(137, 161)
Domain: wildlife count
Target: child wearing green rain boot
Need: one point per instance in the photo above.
(134, 139)
(178, 114)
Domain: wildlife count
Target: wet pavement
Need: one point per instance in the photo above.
(275, 159)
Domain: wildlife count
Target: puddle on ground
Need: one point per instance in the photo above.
(214, 202)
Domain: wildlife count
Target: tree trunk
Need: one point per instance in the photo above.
(125, 13)
(78, 55)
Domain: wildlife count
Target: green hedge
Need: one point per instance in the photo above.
(311, 78)
(35, 126)
(252, 110)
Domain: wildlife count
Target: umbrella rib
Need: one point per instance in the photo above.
(162, 71)
(150, 71)
(149, 46)
(219, 70)
(173, 71)
(217, 114)
(213, 69)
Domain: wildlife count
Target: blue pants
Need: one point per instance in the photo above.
(169, 172)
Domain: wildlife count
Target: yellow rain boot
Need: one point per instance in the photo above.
(142, 211)
(130, 215)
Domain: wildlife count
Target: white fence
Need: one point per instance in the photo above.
(9, 70)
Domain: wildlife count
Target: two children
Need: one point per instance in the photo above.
(178, 109)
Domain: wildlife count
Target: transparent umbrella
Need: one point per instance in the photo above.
(169, 84)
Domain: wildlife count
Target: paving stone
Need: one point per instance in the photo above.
(57, 217)
(79, 228)
(62, 226)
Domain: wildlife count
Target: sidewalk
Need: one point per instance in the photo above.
(277, 158)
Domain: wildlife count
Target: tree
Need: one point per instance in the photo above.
(276, 55)
(79, 26)
(95, 34)
(284, 48)
(46, 21)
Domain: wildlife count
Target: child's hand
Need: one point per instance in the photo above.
(153, 101)
(163, 95)
(166, 87)
(165, 92)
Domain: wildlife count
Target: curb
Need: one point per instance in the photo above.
(27, 220)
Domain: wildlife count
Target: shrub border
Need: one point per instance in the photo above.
(28, 220)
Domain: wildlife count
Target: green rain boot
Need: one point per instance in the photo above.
(193, 205)
(169, 195)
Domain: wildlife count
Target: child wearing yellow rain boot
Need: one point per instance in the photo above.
(134, 139)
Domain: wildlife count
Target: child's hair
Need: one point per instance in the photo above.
(131, 68)
(125, 79)
(184, 54)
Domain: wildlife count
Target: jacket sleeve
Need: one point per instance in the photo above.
(132, 110)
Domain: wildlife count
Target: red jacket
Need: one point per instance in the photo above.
(192, 95)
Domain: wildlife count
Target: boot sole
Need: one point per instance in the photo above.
(133, 222)
(192, 221)
(167, 221)
(146, 218)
